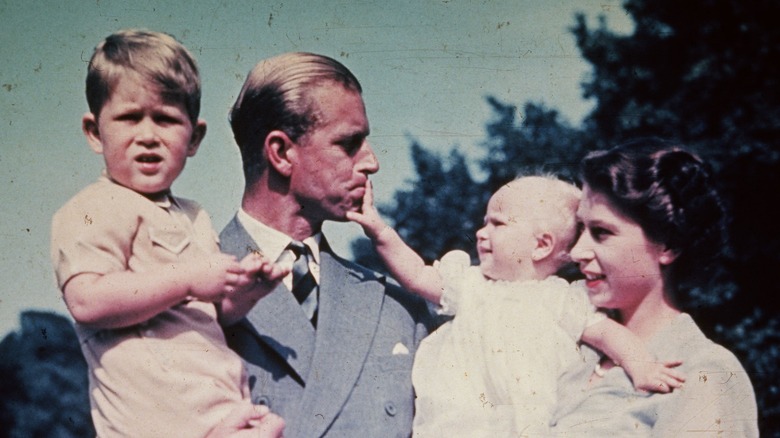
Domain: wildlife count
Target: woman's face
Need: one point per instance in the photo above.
(621, 266)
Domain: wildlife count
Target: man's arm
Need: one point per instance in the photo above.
(405, 265)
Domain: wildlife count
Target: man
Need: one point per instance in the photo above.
(336, 361)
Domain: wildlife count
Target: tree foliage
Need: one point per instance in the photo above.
(705, 74)
(44, 384)
(702, 73)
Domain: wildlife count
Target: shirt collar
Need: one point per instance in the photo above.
(163, 200)
(273, 242)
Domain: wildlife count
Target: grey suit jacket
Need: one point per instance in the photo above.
(349, 378)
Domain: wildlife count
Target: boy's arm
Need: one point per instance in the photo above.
(260, 277)
(124, 298)
(404, 264)
(627, 350)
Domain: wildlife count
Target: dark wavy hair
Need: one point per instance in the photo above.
(667, 190)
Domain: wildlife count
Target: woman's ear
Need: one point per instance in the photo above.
(198, 132)
(667, 256)
(545, 244)
(89, 125)
(277, 147)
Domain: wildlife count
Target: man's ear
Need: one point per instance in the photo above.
(198, 132)
(277, 148)
(89, 125)
(545, 244)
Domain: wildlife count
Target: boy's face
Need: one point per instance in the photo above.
(144, 139)
(507, 239)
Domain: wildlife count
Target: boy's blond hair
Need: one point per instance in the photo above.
(156, 57)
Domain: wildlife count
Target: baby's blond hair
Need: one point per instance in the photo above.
(553, 207)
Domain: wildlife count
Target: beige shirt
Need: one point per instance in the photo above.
(172, 375)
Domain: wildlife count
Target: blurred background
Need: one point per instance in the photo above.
(461, 97)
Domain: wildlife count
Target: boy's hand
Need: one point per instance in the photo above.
(368, 218)
(259, 269)
(258, 278)
(655, 376)
(214, 276)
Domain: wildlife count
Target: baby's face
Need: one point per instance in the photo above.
(145, 139)
(507, 239)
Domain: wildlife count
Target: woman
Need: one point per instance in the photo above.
(650, 217)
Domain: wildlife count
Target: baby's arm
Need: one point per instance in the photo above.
(124, 298)
(260, 277)
(404, 264)
(627, 350)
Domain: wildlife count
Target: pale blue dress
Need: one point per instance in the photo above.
(717, 399)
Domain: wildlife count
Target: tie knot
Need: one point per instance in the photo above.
(303, 283)
(298, 248)
(300, 266)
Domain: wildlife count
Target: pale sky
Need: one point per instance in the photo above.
(425, 67)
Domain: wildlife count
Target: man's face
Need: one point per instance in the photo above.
(333, 160)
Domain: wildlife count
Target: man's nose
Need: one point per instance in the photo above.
(368, 163)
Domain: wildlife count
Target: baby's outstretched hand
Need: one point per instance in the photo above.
(658, 377)
(368, 217)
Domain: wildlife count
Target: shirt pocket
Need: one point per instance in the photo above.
(174, 241)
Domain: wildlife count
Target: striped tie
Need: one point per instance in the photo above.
(303, 281)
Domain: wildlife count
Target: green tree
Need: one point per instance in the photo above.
(44, 384)
(702, 72)
(705, 73)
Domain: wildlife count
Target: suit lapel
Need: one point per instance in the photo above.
(276, 320)
(349, 308)
(330, 363)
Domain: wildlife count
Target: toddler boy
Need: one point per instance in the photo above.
(140, 269)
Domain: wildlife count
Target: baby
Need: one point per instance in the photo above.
(492, 370)
(140, 269)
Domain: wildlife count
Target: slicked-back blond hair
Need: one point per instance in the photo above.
(275, 96)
